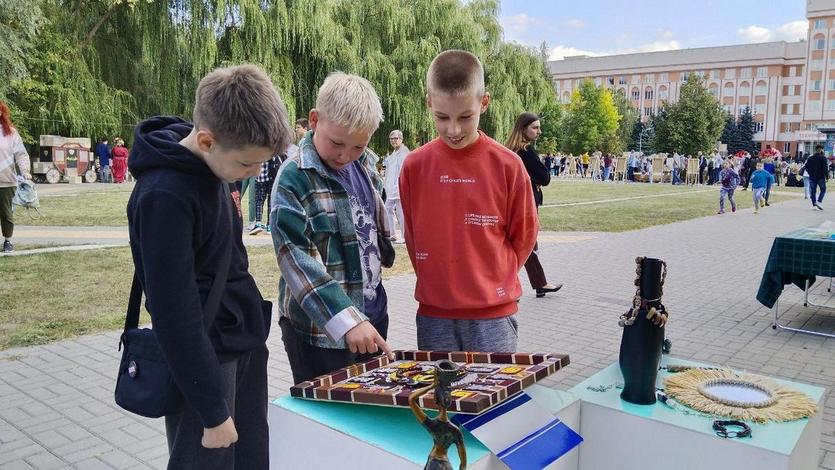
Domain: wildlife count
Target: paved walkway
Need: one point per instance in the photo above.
(57, 410)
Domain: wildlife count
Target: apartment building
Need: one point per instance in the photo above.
(789, 86)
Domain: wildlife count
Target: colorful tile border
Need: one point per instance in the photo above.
(327, 387)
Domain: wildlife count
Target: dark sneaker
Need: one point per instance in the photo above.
(256, 230)
(818, 206)
(7, 247)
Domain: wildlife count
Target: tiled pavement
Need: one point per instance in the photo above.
(57, 411)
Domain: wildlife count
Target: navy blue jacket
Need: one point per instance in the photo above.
(179, 224)
(817, 167)
(103, 152)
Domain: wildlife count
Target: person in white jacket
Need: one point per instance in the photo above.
(12, 152)
(393, 163)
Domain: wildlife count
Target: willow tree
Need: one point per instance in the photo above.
(136, 58)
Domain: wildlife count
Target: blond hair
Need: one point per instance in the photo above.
(241, 107)
(455, 72)
(349, 101)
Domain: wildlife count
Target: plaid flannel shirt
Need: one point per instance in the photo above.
(316, 245)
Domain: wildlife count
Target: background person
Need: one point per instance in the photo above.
(393, 164)
(521, 139)
(120, 160)
(12, 152)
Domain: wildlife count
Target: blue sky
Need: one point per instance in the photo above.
(600, 27)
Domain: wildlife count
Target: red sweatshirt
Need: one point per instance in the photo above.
(470, 225)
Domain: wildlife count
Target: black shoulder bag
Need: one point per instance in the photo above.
(145, 385)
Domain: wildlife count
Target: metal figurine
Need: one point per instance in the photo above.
(444, 433)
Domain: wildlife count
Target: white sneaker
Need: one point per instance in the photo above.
(256, 230)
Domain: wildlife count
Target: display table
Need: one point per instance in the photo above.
(321, 435)
(796, 258)
(623, 436)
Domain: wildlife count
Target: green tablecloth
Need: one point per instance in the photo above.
(795, 258)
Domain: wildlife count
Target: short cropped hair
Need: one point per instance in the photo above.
(819, 148)
(396, 134)
(349, 101)
(241, 107)
(455, 72)
(303, 122)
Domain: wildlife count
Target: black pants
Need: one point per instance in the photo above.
(262, 194)
(246, 396)
(6, 216)
(308, 361)
(534, 269)
(814, 185)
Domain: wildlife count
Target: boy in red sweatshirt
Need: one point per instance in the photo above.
(470, 218)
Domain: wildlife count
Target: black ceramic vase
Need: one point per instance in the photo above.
(640, 347)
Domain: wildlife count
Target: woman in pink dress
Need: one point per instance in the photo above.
(120, 160)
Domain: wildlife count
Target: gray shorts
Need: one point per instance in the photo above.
(492, 335)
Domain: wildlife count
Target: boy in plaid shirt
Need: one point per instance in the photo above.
(331, 235)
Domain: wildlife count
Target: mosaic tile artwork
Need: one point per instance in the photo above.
(486, 380)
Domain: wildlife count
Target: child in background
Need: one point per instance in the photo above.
(729, 180)
(761, 180)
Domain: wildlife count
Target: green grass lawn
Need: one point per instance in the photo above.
(108, 207)
(56, 296)
(618, 216)
(86, 209)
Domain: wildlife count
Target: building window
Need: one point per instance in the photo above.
(817, 64)
(745, 73)
(664, 77)
(730, 73)
(759, 109)
(713, 91)
(611, 81)
(820, 44)
(647, 111)
(797, 90)
(663, 95)
(814, 106)
(831, 85)
(820, 24)
(621, 80)
(714, 74)
(792, 71)
(648, 94)
(761, 89)
(816, 85)
(728, 108)
(636, 79)
(744, 89)
(762, 72)
(786, 147)
(649, 78)
(830, 105)
(741, 109)
(636, 95)
(729, 89)
(758, 127)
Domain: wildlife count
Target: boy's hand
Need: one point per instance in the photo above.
(223, 435)
(364, 338)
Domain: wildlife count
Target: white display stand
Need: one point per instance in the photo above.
(321, 435)
(655, 437)
(617, 435)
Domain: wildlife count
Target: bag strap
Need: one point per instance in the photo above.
(212, 301)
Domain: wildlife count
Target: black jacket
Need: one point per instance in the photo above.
(536, 170)
(179, 225)
(817, 167)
